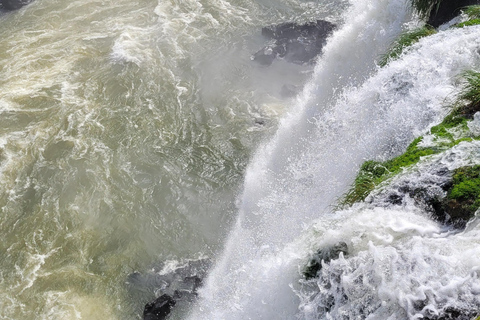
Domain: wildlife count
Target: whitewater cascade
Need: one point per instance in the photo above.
(349, 112)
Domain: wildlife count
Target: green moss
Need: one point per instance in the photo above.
(466, 187)
(405, 40)
(372, 173)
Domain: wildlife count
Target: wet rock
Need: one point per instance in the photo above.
(297, 43)
(451, 313)
(451, 197)
(468, 111)
(326, 255)
(159, 309)
(175, 286)
(14, 4)
(447, 10)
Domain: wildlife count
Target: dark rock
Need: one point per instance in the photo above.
(447, 10)
(326, 255)
(435, 195)
(14, 4)
(159, 309)
(451, 313)
(294, 42)
(469, 110)
(177, 288)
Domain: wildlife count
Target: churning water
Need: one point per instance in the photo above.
(138, 132)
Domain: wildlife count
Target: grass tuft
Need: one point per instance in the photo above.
(472, 22)
(405, 40)
(471, 89)
(472, 12)
(424, 7)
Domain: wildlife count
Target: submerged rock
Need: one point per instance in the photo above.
(447, 10)
(14, 4)
(297, 43)
(174, 286)
(326, 255)
(159, 309)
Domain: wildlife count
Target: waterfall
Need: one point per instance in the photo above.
(349, 112)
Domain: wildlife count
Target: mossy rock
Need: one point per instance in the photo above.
(463, 198)
(372, 173)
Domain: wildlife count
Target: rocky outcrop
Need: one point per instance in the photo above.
(14, 4)
(447, 10)
(297, 43)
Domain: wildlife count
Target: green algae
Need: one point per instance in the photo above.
(404, 41)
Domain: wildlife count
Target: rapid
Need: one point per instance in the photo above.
(133, 133)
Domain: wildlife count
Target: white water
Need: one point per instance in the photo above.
(348, 113)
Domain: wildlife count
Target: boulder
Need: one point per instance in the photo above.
(447, 10)
(297, 43)
(14, 4)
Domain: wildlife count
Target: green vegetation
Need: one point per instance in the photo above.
(473, 13)
(372, 173)
(424, 7)
(471, 22)
(405, 40)
(471, 90)
(466, 185)
(450, 132)
(463, 197)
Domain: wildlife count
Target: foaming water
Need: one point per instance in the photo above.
(125, 129)
(401, 264)
(347, 114)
